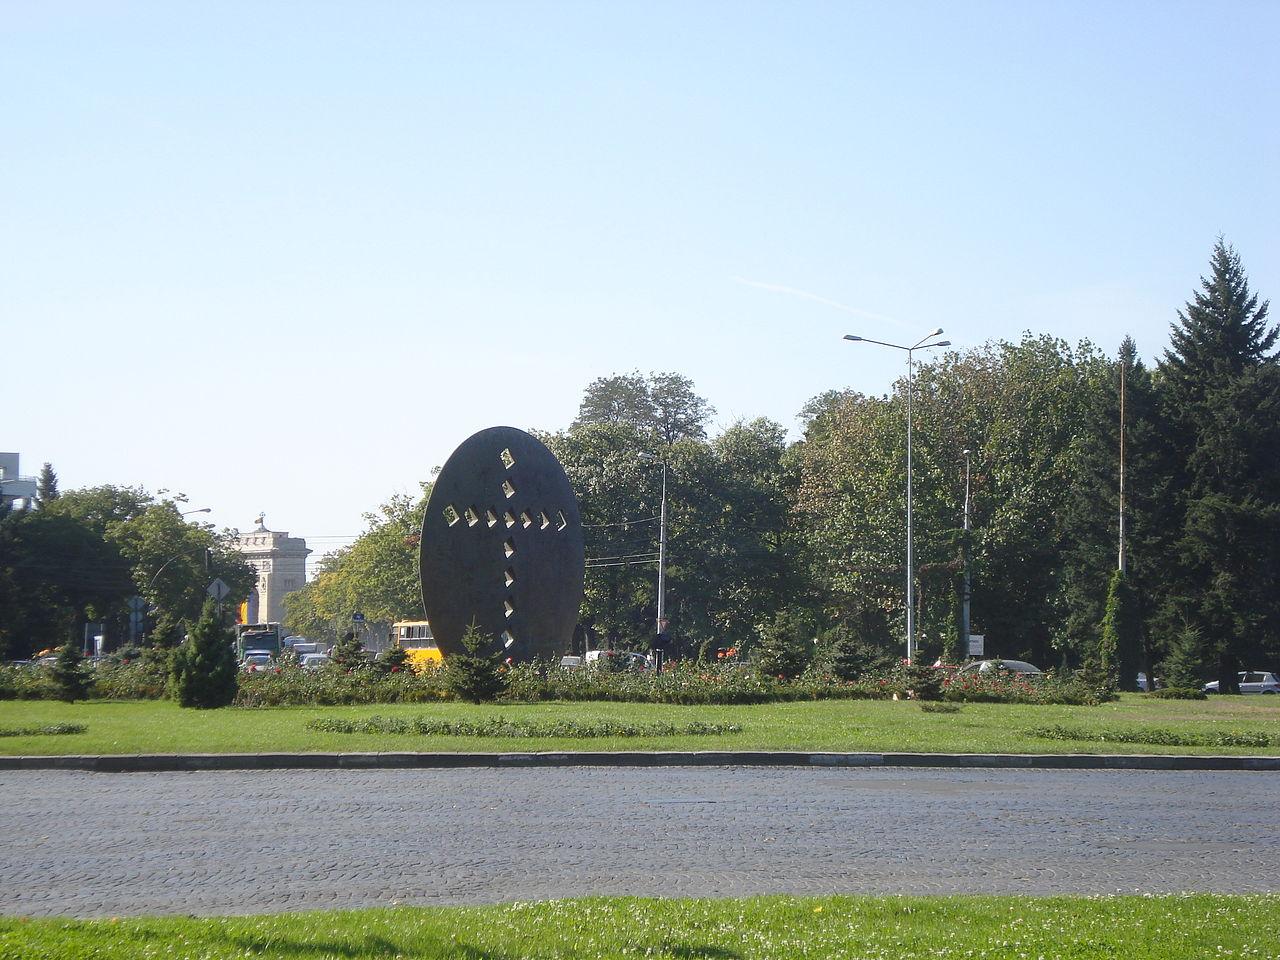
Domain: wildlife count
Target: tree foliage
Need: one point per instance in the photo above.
(68, 673)
(1221, 384)
(203, 669)
(377, 575)
(46, 485)
(477, 674)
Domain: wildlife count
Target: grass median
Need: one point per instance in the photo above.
(1133, 927)
(832, 725)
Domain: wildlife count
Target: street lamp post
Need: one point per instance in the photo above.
(910, 352)
(964, 610)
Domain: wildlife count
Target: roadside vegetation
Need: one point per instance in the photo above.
(790, 553)
(760, 928)
(837, 725)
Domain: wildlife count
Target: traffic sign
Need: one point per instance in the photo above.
(137, 604)
(218, 590)
(357, 618)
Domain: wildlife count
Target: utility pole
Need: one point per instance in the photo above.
(662, 548)
(964, 615)
(1124, 375)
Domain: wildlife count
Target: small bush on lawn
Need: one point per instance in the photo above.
(202, 670)
(1157, 736)
(1179, 693)
(48, 729)
(478, 673)
(70, 677)
(503, 727)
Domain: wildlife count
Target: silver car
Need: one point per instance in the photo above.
(1251, 681)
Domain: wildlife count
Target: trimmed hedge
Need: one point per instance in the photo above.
(682, 682)
(1157, 736)
(503, 727)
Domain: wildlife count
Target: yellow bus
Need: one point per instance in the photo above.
(414, 637)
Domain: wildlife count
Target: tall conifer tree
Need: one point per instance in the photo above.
(46, 485)
(1222, 393)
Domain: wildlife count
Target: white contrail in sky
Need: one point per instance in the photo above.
(805, 295)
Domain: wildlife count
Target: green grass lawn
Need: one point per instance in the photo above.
(841, 725)
(1008, 928)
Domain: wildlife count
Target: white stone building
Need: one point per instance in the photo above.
(281, 563)
(13, 486)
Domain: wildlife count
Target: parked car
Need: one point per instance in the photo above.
(313, 661)
(570, 662)
(1143, 686)
(1251, 681)
(255, 660)
(986, 667)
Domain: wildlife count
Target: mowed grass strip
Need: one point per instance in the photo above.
(1133, 927)
(837, 725)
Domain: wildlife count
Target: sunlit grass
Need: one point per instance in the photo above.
(768, 928)
(839, 725)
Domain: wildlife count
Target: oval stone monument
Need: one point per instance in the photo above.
(502, 546)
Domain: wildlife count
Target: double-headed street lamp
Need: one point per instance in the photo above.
(910, 352)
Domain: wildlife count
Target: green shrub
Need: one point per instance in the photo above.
(143, 679)
(26, 683)
(503, 727)
(857, 649)
(70, 678)
(920, 681)
(48, 729)
(202, 670)
(1049, 688)
(1186, 660)
(1157, 736)
(328, 687)
(785, 646)
(348, 654)
(393, 660)
(477, 674)
(1179, 693)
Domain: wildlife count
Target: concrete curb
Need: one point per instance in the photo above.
(155, 762)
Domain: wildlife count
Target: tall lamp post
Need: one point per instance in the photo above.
(964, 611)
(910, 352)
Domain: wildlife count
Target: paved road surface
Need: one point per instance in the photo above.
(218, 843)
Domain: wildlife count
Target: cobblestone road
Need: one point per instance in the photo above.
(217, 843)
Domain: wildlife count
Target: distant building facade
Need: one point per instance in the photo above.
(281, 564)
(13, 486)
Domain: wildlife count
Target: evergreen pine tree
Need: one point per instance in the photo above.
(1222, 393)
(70, 679)
(393, 660)
(348, 653)
(786, 645)
(476, 674)
(202, 670)
(46, 485)
(1182, 665)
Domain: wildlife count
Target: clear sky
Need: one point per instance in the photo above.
(286, 256)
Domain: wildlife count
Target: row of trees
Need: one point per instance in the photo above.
(78, 557)
(770, 540)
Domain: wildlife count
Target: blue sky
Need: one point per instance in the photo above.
(400, 223)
